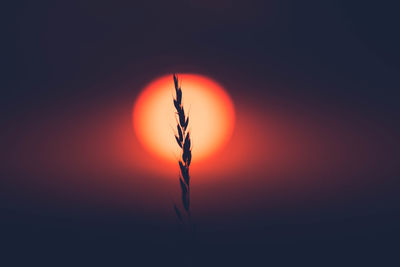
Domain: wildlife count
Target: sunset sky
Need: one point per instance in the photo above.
(310, 174)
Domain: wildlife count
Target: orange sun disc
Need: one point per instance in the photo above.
(209, 107)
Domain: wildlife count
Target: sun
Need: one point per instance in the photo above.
(209, 107)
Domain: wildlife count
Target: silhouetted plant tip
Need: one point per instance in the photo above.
(183, 139)
(178, 141)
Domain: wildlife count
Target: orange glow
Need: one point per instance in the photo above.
(209, 107)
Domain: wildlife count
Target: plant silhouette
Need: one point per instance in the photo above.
(182, 137)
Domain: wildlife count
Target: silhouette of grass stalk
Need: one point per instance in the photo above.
(182, 137)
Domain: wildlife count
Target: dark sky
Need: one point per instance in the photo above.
(333, 64)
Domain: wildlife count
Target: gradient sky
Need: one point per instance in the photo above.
(311, 170)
